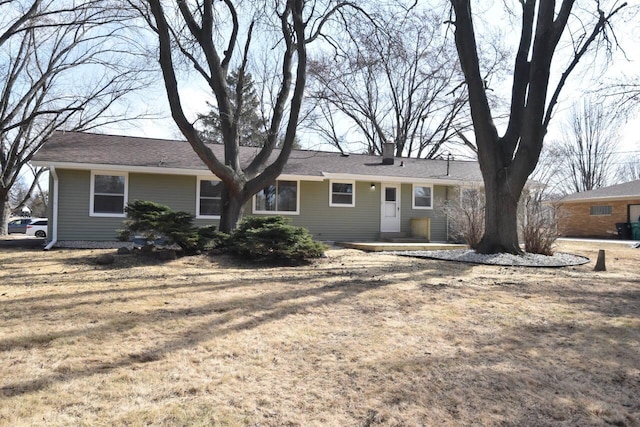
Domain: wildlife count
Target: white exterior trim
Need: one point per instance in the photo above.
(413, 196)
(54, 210)
(204, 178)
(296, 212)
(392, 179)
(92, 193)
(353, 193)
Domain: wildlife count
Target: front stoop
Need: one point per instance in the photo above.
(402, 237)
(388, 246)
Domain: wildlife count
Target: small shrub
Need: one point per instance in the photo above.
(143, 219)
(155, 222)
(540, 225)
(466, 216)
(272, 239)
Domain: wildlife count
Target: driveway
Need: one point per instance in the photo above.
(19, 241)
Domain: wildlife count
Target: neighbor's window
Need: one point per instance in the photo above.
(108, 194)
(342, 194)
(422, 197)
(280, 197)
(601, 210)
(209, 198)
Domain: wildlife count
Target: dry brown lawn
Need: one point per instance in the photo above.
(354, 339)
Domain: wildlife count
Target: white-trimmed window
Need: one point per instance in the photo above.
(208, 198)
(108, 194)
(342, 193)
(422, 196)
(281, 197)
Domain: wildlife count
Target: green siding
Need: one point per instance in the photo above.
(361, 222)
(74, 222)
(438, 218)
(177, 192)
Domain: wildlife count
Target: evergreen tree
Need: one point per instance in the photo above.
(251, 125)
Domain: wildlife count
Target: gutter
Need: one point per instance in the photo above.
(54, 210)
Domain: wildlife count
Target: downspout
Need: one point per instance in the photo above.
(54, 210)
(446, 215)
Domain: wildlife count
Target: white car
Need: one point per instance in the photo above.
(37, 227)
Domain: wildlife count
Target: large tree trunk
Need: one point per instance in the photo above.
(501, 219)
(5, 212)
(231, 210)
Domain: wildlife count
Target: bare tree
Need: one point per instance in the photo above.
(549, 170)
(629, 169)
(207, 35)
(507, 160)
(394, 77)
(588, 148)
(62, 66)
(465, 213)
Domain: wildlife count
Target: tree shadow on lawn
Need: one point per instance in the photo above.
(534, 375)
(312, 272)
(268, 306)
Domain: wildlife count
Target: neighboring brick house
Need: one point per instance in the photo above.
(595, 213)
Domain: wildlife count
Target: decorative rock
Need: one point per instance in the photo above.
(166, 255)
(105, 259)
(124, 251)
(148, 249)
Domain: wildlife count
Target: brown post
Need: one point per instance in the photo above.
(600, 264)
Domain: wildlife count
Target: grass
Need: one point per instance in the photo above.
(352, 339)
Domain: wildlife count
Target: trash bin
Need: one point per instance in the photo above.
(635, 230)
(624, 230)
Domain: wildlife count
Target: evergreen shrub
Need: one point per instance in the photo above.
(272, 239)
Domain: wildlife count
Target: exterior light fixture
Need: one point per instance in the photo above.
(373, 186)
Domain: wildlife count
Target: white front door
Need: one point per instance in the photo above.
(390, 215)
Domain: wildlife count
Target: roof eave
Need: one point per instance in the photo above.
(206, 172)
(601, 199)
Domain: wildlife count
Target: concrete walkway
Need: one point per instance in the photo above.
(393, 246)
(603, 241)
(389, 246)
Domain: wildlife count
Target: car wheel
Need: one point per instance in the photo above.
(41, 233)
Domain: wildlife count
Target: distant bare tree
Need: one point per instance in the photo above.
(392, 77)
(549, 170)
(588, 148)
(62, 66)
(629, 169)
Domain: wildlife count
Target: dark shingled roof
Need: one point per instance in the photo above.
(89, 148)
(626, 190)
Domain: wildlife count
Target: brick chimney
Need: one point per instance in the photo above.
(387, 153)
